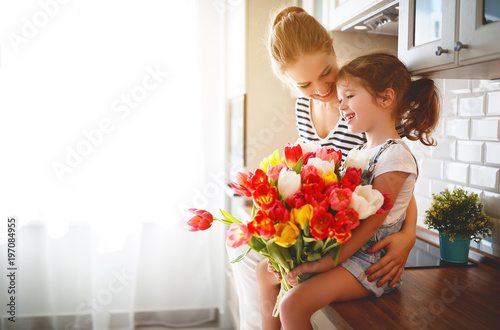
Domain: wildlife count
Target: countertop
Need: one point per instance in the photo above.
(430, 298)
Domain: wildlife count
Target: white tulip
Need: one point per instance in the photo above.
(358, 159)
(366, 201)
(288, 183)
(309, 147)
(321, 165)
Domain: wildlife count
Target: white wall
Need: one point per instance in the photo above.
(468, 151)
(270, 107)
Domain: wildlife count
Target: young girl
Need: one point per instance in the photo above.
(374, 92)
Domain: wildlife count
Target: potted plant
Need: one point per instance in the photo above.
(459, 217)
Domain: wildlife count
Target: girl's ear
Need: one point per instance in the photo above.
(387, 97)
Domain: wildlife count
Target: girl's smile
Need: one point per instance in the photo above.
(348, 117)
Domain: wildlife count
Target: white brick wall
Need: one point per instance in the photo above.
(468, 151)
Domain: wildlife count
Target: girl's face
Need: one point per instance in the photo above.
(314, 75)
(359, 108)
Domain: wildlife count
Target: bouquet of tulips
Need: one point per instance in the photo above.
(305, 205)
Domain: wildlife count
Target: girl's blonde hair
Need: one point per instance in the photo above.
(293, 33)
(417, 102)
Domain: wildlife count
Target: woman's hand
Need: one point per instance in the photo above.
(291, 276)
(391, 265)
(319, 266)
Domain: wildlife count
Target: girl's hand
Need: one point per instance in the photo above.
(273, 270)
(391, 265)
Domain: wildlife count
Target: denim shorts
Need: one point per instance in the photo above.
(359, 262)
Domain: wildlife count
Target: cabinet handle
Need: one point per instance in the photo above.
(440, 51)
(459, 46)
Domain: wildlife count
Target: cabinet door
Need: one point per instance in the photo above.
(479, 31)
(427, 34)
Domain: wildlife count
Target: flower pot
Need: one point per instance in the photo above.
(456, 251)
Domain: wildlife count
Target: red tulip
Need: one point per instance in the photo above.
(341, 231)
(278, 212)
(257, 179)
(349, 215)
(264, 196)
(387, 204)
(297, 200)
(351, 179)
(240, 186)
(292, 152)
(306, 157)
(201, 221)
(318, 201)
(312, 184)
(262, 225)
(320, 225)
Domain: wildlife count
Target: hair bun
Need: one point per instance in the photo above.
(287, 12)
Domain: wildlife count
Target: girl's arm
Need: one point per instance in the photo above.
(398, 247)
(390, 182)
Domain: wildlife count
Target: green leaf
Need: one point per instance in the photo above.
(297, 251)
(335, 254)
(318, 245)
(253, 212)
(257, 243)
(276, 253)
(314, 256)
(229, 219)
(298, 166)
(309, 239)
(241, 256)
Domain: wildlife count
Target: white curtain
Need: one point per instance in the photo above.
(111, 126)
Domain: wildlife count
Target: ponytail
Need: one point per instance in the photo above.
(422, 115)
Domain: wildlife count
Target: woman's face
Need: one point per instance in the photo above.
(315, 75)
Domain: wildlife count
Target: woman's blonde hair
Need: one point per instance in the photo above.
(294, 33)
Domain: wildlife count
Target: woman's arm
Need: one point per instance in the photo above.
(390, 182)
(398, 247)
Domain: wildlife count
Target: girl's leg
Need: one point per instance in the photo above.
(309, 296)
(269, 288)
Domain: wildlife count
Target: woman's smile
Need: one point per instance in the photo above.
(323, 97)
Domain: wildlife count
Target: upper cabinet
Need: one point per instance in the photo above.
(343, 13)
(451, 38)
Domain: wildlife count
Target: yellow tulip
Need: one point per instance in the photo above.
(273, 159)
(302, 215)
(329, 177)
(286, 234)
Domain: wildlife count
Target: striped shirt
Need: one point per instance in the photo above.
(339, 138)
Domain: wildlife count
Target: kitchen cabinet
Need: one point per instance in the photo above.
(450, 39)
(345, 12)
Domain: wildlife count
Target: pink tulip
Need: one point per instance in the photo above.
(237, 235)
(340, 198)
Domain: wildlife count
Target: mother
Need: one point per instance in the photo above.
(303, 57)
